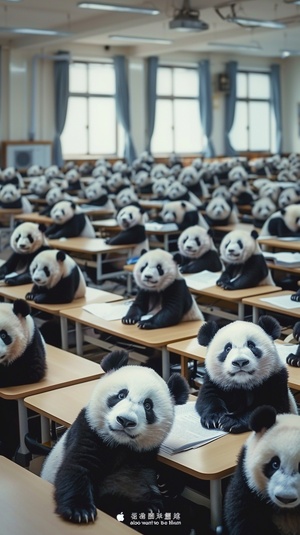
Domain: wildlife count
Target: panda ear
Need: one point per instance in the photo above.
(254, 234)
(270, 325)
(42, 227)
(21, 308)
(179, 388)
(183, 204)
(177, 258)
(60, 256)
(143, 251)
(73, 205)
(210, 232)
(262, 418)
(114, 360)
(207, 332)
(283, 211)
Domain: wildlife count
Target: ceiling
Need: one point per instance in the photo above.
(87, 27)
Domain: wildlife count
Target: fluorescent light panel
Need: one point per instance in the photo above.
(254, 23)
(287, 53)
(117, 7)
(140, 39)
(235, 45)
(31, 31)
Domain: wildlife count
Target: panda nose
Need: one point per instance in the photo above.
(284, 500)
(240, 363)
(148, 277)
(125, 422)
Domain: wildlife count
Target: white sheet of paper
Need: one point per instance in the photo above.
(108, 311)
(282, 301)
(201, 280)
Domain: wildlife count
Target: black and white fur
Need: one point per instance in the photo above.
(69, 222)
(56, 278)
(189, 176)
(293, 359)
(245, 265)
(197, 251)
(97, 195)
(11, 197)
(177, 191)
(243, 371)
(163, 298)
(263, 496)
(26, 241)
(262, 209)
(183, 213)
(107, 459)
(284, 223)
(221, 211)
(131, 220)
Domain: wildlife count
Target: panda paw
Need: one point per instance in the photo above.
(78, 515)
(231, 425)
(145, 325)
(227, 286)
(296, 331)
(295, 297)
(29, 296)
(129, 321)
(293, 360)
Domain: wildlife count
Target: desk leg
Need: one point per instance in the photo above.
(64, 332)
(165, 363)
(215, 503)
(23, 456)
(99, 267)
(241, 311)
(79, 339)
(45, 430)
(166, 241)
(255, 315)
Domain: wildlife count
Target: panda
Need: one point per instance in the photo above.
(124, 197)
(10, 197)
(263, 496)
(262, 209)
(143, 182)
(117, 182)
(22, 361)
(287, 175)
(159, 188)
(97, 195)
(283, 223)
(238, 172)
(26, 241)
(107, 459)
(53, 171)
(179, 192)
(69, 222)
(189, 177)
(269, 189)
(197, 251)
(289, 196)
(293, 359)
(41, 185)
(242, 193)
(219, 211)
(35, 170)
(54, 195)
(131, 220)
(73, 177)
(183, 213)
(163, 297)
(245, 265)
(243, 371)
(56, 278)
(221, 191)
(10, 175)
(159, 170)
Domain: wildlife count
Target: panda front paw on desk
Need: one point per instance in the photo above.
(293, 359)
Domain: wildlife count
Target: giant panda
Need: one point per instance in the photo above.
(97, 195)
(143, 182)
(197, 251)
(69, 222)
(10, 175)
(293, 359)
(289, 196)
(241, 193)
(124, 197)
(189, 177)
(41, 185)
(56, 278)
(245, 265)
(26, 241)
(263, 496)
(159, 188)
(262, 209)
(183, 213)
(283, 223)
(11, 197)
(107, 459)
(54, 195)
(220, 212)
(177, 191)
(22, 361)
(243, 371)
(131, 220)
(163, 297)
(117, 182)
(73, 178)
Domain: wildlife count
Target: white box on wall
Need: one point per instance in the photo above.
(23, 155)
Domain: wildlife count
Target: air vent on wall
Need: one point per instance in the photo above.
(23, 155)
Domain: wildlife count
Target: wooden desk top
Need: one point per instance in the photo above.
(34, 217)
(63, 369)
(106, 224)
(11, 211)
(87, 245)
(27, 507)
(256, 302)
(236, 226)
(149, 338)
(211, 461)
(277, 243)
(234, 295)
(93, 295)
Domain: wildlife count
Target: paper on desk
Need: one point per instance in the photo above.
(282, 301)
(285, 349)
(108, 311)
(161, 226)
(201, 280)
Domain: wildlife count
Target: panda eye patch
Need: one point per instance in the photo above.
(272, 466)
(228, 347)
(240, 244)
(5, 337)
(148, 404)
(116, 398)
(251, 345)
(46, 271)
(30, 238)
(18, 237)
(144, 267)
(198, 242)
(122, 394)
(160, 269)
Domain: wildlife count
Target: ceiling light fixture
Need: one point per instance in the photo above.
(187, 19)
(292, 2)
(119, 8)
(249, 22)
(253, 46)
(140, 39)
(287, 53)
(31, 31)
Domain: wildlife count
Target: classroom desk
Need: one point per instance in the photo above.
(234, 226)
(27, 508)
(92, 295)
(34, 217)
(154, 338)
(63, 369)
(215, 293)
(257, 304)
(211, 462)
(284, 244)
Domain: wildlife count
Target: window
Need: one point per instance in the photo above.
(91, 124)
(254, 126)
(177, 119)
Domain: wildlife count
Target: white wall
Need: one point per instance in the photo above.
(290, 78)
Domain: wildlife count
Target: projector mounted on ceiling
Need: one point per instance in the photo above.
(187, 19)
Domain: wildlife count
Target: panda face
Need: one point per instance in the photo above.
(62, 212)
(9, 193)
(174, 211)
(94, 191)
(263, 208)
(176, 191)
(52, 171)
(218, 209)
(291, 216)
(288, 196)
(155, 270)
(46, 271)
(142, 179)
(34, 170)
(9, 173)
(73, 175)
(27, 238)
(237, 246)
(272, 463)
(131, 406)
(54, 195)
(42, 185)
(16, 332)
(159, 170)
(129, 216)
(116, 181)
(160, 186)
(188, 176)
(241, 355)
(194, 242)
(221, 191)
(125, 197)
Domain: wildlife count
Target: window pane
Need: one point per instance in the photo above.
(259, 124)
(186, 83)
(78, 78)
(188, 136)
(239, 133)
(101, 79)
(162, 135)
(259, 85)
(74, 136)
(241, 85)
(164, 81)
(102, 126)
